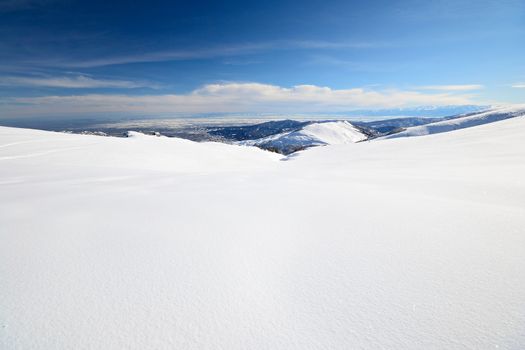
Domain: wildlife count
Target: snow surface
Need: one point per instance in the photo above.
(158, 243)
(315, 134)
(471, 119)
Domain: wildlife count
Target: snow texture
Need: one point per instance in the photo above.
(158, 243)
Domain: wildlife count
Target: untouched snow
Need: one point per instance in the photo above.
(315, 134)
(156, 243)
(138, 151)
(468, 121)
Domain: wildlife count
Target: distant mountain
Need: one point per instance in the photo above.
(312, 134)
(388, 126)
(422, 111)
(288, 136)
(461, 122)
(257, 131)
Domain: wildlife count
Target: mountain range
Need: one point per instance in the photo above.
(289, 136)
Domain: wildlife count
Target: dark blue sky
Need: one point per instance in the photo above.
(163, 57)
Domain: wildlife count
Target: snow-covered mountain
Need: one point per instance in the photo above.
(462, 121)
(160, 243)
(433, 111)
(313, 134)
(256, 131)
(387, 126)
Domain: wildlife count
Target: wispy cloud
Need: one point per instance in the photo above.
(465, 87)
(519, 85)
(77, 82)
(231, 98)
(17, 5)
(356, 66)
(320, 44)
(210, 53)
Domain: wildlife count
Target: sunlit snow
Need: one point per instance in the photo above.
(159, 243)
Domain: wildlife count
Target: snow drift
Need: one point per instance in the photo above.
(157, 243)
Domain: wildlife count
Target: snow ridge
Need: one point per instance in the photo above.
(467, 121)
(314, 134)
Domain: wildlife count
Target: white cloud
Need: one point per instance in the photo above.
(519, 85)
(231, 98)
(211, 52)
(80, 81)
(465, 87)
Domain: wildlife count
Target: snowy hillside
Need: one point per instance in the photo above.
(157, 243)
(145, 152)
(469, 120)
(314, 134)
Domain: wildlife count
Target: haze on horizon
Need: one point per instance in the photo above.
(160, 58)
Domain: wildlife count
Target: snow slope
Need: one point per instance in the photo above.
(472, 119)
(315, 134)
(138, 151)
(154, 243)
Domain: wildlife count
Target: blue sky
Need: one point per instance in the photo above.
(70, 58)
